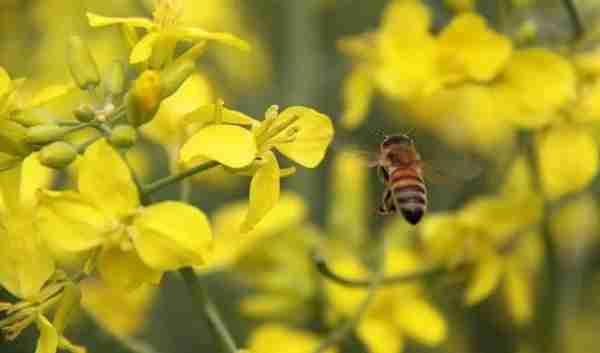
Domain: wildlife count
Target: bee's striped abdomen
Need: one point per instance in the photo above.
(409, 193)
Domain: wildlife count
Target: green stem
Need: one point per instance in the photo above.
(576, 22)
(149, 189)
(345, 328)
(203, 303)
(549, 300)
(327, 272)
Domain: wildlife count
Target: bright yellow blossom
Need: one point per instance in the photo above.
(397, 312)
(273, 338)
(299, 133)
(162, 33)
(568, 160)
(132, 244)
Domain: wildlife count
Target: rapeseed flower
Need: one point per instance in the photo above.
(274, 338)
(162, 33)
(396, 314)
(503, 247)
(130, 244)
(299, 133)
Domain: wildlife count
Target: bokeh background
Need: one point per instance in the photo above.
(296, 61)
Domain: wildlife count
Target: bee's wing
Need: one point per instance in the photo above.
(451, 170)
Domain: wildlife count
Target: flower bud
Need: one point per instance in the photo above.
(123, 136)
(114, 79)
(29, 118)
(174, 75)
(12, 139)
(43, 134)
(84, 113)
(57, 155)
(81, 64)
(143, 98)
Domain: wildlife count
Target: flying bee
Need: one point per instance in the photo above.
(401, 170)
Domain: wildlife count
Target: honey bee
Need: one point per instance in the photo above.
(401, 169)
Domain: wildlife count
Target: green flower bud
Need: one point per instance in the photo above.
(29, 118)
(12, 139)
(123, 136)
(84, 113)
(174, 75)
(82, 64)
(43, 134)
(143, 98)
(57, 155)
(114, 79)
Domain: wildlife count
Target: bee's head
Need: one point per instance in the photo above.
(399, 139)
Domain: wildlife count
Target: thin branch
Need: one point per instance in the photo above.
(576, 21)
(149, 189)
(203, 303)
(327, 272)
(346, 327)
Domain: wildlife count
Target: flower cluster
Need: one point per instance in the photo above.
(107, 223)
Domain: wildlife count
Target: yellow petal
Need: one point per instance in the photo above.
(143, 49)
(587, 107)
(534, 86)
(34, 176)
(345, 300)
(124, 269)
(485, 279)
(206, 114)
(357, 93)
(229, 145)
(418, 319)
(276, 338)
(471, 50)
(289, 212)
(568, 160)
(105, 180)
(4, 82)
(410, 17)
(68, 222)
(196, 34)
(170, 235)
(134, 306)
(519, 295)
(380, 336)
(264, 192)
(311, 141)
(167, 125)
(48, 94)
(25, 262)
(100, 21)
(48, 340)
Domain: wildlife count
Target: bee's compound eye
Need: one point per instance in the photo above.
(396, 139)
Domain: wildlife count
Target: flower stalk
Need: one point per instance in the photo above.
(575, 18)
(346, 327)
(149, 189)
(204, 304)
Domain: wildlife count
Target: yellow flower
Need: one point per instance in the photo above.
(230, 245)
(397, 312)
(132, 244)
(282, 274)
(470, 50)
(274, 338)
(461, 5)
(299, 133)
(503, 246)
(100, 300)
(568, 160)
(163, 33)
(535, 84)
(167, 126)
(407, 52)
(25, 261)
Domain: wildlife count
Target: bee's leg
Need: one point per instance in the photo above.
(387, 204)
(383, 174)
